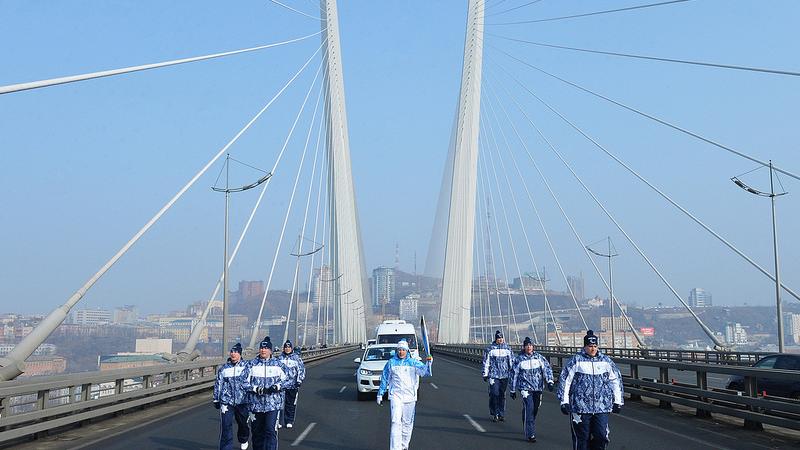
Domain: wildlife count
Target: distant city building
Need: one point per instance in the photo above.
(735, 333)
(152, 345)
(251, 289)
(128, 361)
(699, 298)
(576, 284)
(527, 283)
(44, 365)
(619, 323)
(42, 350)
(791, 326)
(91, 317)
(322, 286)
(126, 314)
(409, 308)
(382, 286)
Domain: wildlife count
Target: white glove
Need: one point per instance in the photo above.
(379, 399)
(491, 381)
(251, 418)
(223, 409)
(524, 394)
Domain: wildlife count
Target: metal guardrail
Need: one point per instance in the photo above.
(34, 405)
(707, 357)
(748, 405)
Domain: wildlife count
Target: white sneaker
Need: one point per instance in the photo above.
(289, 425)
(280, 426)
(243, 446)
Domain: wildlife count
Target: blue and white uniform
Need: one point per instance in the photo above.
(231, 394)
(529, 375)
(591, 387)
(266, 374)
(401, 379)
(496, 370)
(296, 375)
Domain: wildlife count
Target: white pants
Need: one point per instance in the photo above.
(402, 424)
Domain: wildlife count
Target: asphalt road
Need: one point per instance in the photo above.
(452, 413)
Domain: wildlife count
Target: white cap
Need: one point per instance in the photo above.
(402, 344)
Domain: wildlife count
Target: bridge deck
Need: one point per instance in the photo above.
(343, 422)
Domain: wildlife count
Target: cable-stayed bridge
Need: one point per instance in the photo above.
(489, 221)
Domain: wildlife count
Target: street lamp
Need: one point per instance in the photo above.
(227, 190)
(771, 194)
(609, 255)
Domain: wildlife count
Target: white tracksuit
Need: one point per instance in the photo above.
(401, 378)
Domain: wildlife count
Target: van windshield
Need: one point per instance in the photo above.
(379, 354)
(395, 338)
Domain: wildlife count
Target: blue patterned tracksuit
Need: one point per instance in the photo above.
(296, 374)
(266, 408)
(591, 386)
(497, 367)
(401, 378)
(231, 391)
(529, 373)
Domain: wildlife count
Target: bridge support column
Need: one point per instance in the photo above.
(635, 376)
(751, 388)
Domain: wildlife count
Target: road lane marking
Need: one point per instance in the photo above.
(674, 433)
(474, 424)
(434, 386)
(304, 434)
(342, 389)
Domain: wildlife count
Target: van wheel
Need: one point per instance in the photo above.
(362, 396)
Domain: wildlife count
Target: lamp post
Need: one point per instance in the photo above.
(227, 190)
(609, 255)
(771, 194)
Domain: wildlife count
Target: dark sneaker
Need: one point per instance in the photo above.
(495, 418)
(501, 418)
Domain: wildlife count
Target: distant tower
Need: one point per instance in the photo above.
(396, 255)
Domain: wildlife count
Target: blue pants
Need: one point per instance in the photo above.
(265, 430)
(530, 407)
(497, 396)
(289, 406)
(239, 413)
(591, 433)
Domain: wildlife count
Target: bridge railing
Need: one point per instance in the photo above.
(701, 356)
(34, 405)
(752, 406)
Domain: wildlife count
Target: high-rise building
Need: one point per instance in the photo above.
(127, 314)
(735, 333)
(531, 285)
(251, 289)
(382, 286)
(91, 317)
(409, 308)
(322, 286)
(699, 298)
(576, 285)
(791, 327)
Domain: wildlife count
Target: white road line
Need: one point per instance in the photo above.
(434, 386)
(303, 434)
(474, 424)
(342, 389)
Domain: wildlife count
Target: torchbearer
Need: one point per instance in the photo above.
(401, 379)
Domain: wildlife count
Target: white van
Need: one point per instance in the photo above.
(391, 331)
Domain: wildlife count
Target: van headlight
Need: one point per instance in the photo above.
(364, 371)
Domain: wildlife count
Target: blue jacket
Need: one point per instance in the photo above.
(267, 373)
(297, 370)
(497, 361)
(530, 372)
(590, 385)
(401, 378)
(232, 384)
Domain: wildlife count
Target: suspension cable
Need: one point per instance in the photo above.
(594, 13)
(296, 10)
(107, 73)
(254, 335)
(705, 328)
(489, 255)
(656, 119)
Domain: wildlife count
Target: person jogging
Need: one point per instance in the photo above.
(232, 400)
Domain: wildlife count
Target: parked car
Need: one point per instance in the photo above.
(370, 368)
(773, 386)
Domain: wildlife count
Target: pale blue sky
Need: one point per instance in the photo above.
(87, 164)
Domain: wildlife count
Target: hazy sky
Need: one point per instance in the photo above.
(89, 163)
